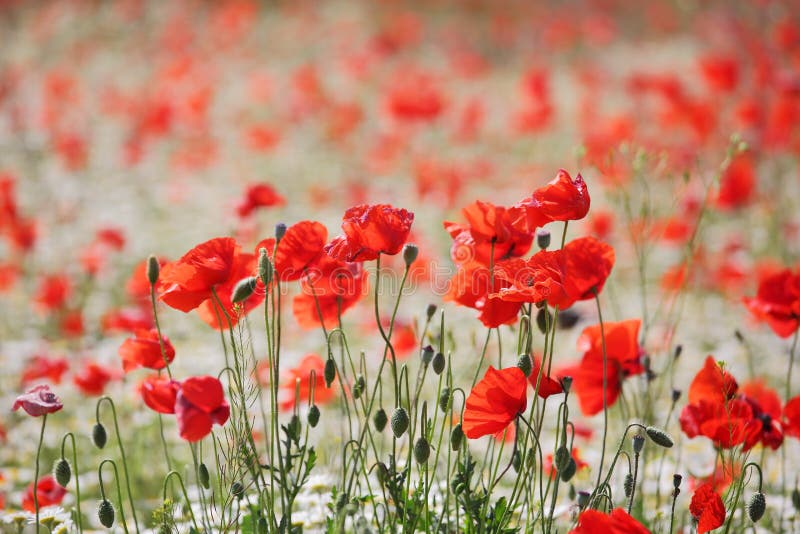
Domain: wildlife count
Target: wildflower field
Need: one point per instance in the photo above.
(382, 266)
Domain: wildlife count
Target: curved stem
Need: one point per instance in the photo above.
(71, 436)
(185, 495)
(122, 455)
(119, 490)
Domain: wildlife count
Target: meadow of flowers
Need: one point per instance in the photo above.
(446, 266)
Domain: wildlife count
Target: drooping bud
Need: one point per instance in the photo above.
(438, 363)
(569, 471)
(202, 475)
(561, 458)
(544, 320)
(359, 386)
(105, 513)
(444, 399)
(329, 372)
(429, 311)
(399, 422)
(243, 289)
(676, 395)
(542, 238)
(566, 383)
(659, 437)
(422, 450)
(628, 485)
(62, 472)
(525, 365)
(265, 270)
(410, 253)
(638, 443)
(99, 436)
(516, 461)
(153, 270)
(380, 419)
(456, 437)
(313, 416)
(293, 428)
(756, 507)
(382, 472)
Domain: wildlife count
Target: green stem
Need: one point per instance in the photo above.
(36, 472)
(122, 455)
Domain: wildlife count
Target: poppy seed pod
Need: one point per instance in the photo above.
(410, 253)
(329, 372)
(399, 422)
(99, 436)
(543, 239)
(659, 437)
(202, 475)
(638, 443)
(525, 364)
(313, 416)
(62, 472)
(243, 289)
(153, 270)
(438, 363)
(422, 450)
(756, 507)
(105, 513)
(265, 269)
(380, 419)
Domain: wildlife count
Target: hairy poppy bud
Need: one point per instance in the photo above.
(544, 320)
(410, 253)
(153, 270)
(516, 461)
(756, 507)
(530, 459)
(525, 365)
(676, 395)
(561, 458)
(380, 420)
(293, 428)
(628, 485)
(265, 269)
(444, 399)
(359, 386)
(430, 310)
(659, 437)
(638, 443)
(542, 239)
(438, 363)
(280, 231)
(62, 472)
(422, 450)
(237, 489)
(99, 436)
(676, 483)
(427, 355)
(202, 475)
(105, 513)
(330, 372)
(456, 437)
(243, 289)
(313, 416)
(569, 470)
(399, 422)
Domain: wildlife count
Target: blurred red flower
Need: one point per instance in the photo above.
(777, 301)
(53, 292)
(92, 379)
(144, 350)
(707, 507)
(370, 230)
(562, 199)
(329, 288)
(48, 493)
(296, 384)
(39, 400)
(495, 402)
(43, 366)
(199, 404)
(617, 522)
(258, 196)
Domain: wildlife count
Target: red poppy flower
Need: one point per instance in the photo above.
(92, 379)
(707, 507)
(712, 384)
(495, 402)
(329, 288)
(369, 231)
(144, 350)
(229, 314)
(258, 196)
(199, 404)
(53, 292)
(71, 324)
(9, 273)
(766, 406)
(506, 227)
(39, 400)
(159, 394)
(541, 278)
(414, 97)
(42, 366)
(562, 199)
(469, 287)
(547, 386)
(127, 320)
(791, 416)
(296, 386)
(623, 356)
(720, 72)
(138, 286)
(588, 264)
(728, 424)
(738, 183)
(48, 493)
(778, 302)
(300, 247)
(617, 522)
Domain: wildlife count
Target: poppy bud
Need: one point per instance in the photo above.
(530, 459)
(153, 269)
(382, 472)
(516, 461)
(105, 513)
(293, 428)
(202, 475)
(380, 420)
(756, 507)
(358, 387)
(525, 365)
(544, 319)
(243, 289)
(572, 494)
(543, 239)
(341, 501)
(583, 498)
(330, 372)
(561, 458)
(569, 470)
(410, 253)
(399, 422)
(659, 437)
(265, 270)
(99, 436)
(438, 363)
(676, 395)
(638, 443)
(427, 355)
(430, 310)
(422, 450)
(237, 490)
(676, 483)
(456, 437)
(444, 399)
(628, 485)
(313, 416)
(62, 472)
(568, 318)
(280, 231)
(566, 383)
(678, 351)
(796, 498)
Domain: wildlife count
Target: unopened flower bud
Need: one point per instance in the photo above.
(399, 422)
(544, 320)
(99, 436)
(638, 443)
(525, 365)
(105, 513)
(676, 480)
(756, 507)
(153, 270)
(280, 231)
(569, 471)
(456, 437)
(313, 416)
(382, 472)
(293, 428)
(359, 386)
(676, 395)
(543, 239)
(561, 458)
(380, 419)
(422, 450)
(566, 383)
(444, 399)
(583, 499)
(265, 270)
(659, 437)
(62, 472)
(202, 476)
(438, 363)
(430, 310)
(329, 372)
(410, 253)
(243, 289)
(427, 355)
(628, 485)
(796, 499)
(678, 351)
(516, 461)
(237, 489)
